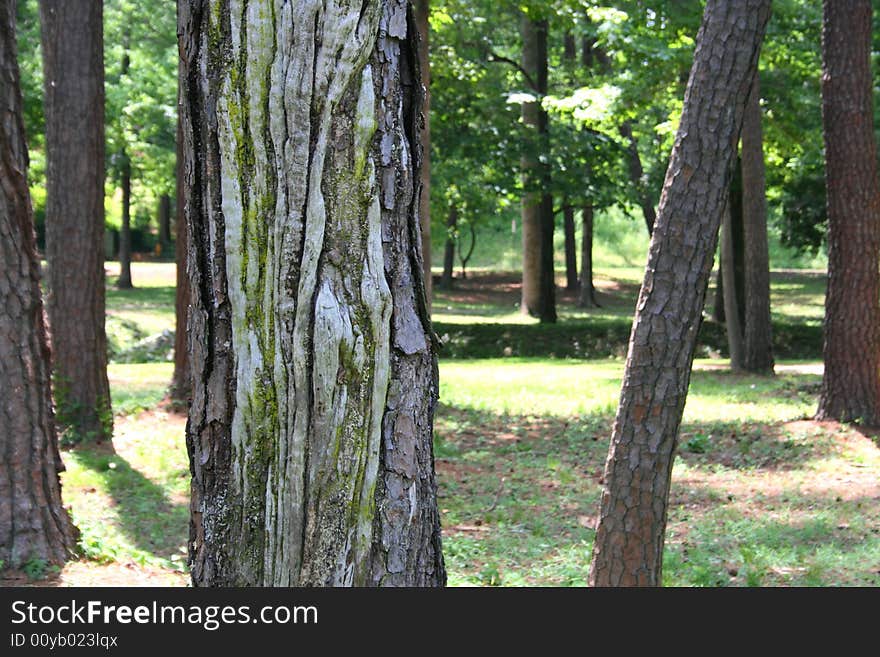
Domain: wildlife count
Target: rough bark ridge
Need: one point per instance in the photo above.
(73, 72)
(758, 332)
(314, 373)
(538, 283)
(629, 541)
(851, 384)
(33, 522)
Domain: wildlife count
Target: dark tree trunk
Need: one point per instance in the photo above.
(637, 175)
(587, 296)
(447, 281)
(33, 522)
(73, 76)
(571, 268)
(851, 383)
(539, 285)
(731, 312)
(165, 221)
(718, 303)
(628, 549)
(181, 384)
(757, 332)
(124, 280)
(738, 255)
(314, 370)
(422, 12)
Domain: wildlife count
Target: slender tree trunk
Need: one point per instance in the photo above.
(851, 383)
(33, 522)
(181, 380)
(636, 176)
(539, 285)
(124, 280)
(314, 370)
(165, 221)
(73, 76)
(422, 12)
(718, 303)
(447, 280)
(731, 313)
(758, 332)
(628, 549)
(571, 271)
(587, 296)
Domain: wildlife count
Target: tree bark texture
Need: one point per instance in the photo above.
(33, 522)
(73, 77)
(422, 12)
(851, 383)
(314, 368)
(628, 549)
(587, 295)
(757, 356)
(571, 268)
(181, 379)
(538, 282)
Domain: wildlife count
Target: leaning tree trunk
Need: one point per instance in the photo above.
(73, 77)
(851, 383)
(33, 522)
(538, 282)
(314, 368)
(628, 549)
(757, 355)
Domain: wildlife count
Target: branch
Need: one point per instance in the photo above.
(495, 57)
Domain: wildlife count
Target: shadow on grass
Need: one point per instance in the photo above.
(147, 517)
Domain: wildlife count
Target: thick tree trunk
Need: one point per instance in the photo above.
(447, 280)
(637, 175)
(33, 522)
(73, 75)
(851, 383)
(314, 371)
(181, 380)
(422, 12)
(571, 269)
(628, 549)
(731, 312)
(539, 285)
(124, 280)
(757, 354)
(165, 221)
(587, 296)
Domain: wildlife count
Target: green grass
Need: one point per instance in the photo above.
(146, 310)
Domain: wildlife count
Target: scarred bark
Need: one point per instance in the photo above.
(851, 383)
(73, 78)
(314, 370)
(628, 549)
(757, 355)
(33, 522)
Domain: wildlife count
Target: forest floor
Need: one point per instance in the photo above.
(761, 494)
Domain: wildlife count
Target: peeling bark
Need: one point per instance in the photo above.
(33, 522)
(314, 370)
(628, 550)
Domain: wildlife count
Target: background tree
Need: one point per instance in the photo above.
(628, 549)
(314, 373)
(33, 523)
(851, 383)
(73, 72)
